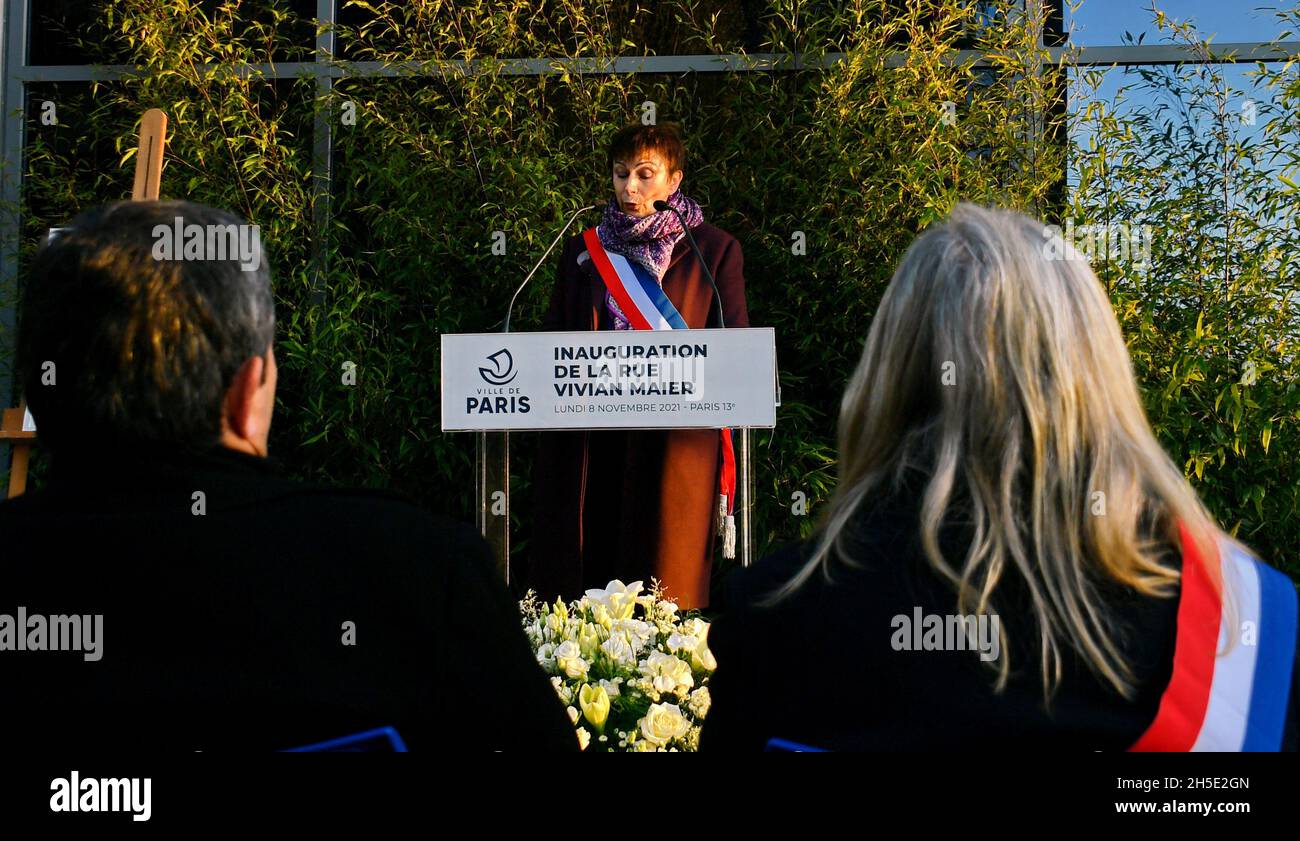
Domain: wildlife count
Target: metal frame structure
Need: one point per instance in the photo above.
(18, 74)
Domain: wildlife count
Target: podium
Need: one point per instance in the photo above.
(493, 384)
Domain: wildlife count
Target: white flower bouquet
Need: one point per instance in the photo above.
(633, 673)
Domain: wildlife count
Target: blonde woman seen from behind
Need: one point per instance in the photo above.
(1010, 558)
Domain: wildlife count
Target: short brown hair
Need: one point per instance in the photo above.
(145, 348)
(664, 138)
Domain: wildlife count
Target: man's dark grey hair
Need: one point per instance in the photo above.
(118, 346)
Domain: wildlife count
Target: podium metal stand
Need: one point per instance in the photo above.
(492, 493)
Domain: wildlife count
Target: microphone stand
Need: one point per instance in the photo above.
(505, 327)
(492, 463)
(726, 522)
(717, 296)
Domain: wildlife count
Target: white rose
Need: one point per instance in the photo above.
(568, 657)
(663, 723)
(667, 672)
(565, 693)
(611, 687)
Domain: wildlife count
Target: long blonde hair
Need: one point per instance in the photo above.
(995, 363)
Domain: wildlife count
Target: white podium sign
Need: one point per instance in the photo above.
(634, 379)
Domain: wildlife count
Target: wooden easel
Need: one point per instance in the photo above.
(148, 178)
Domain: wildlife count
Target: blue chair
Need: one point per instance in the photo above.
(379, 740)
(775, 745)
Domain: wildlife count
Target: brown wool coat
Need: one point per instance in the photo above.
(632, 504)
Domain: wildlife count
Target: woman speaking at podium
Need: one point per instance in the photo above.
(638, 504)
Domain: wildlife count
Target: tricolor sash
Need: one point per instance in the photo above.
(1223, 698)
(647, 307)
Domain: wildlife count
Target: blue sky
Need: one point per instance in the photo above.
(1103, 22)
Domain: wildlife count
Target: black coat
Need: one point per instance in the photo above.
(225, 630)
(821, 670)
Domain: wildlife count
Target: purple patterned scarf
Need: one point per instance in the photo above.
(646, 240)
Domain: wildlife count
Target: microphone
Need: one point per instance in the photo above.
(717, 296)
(505, 327)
